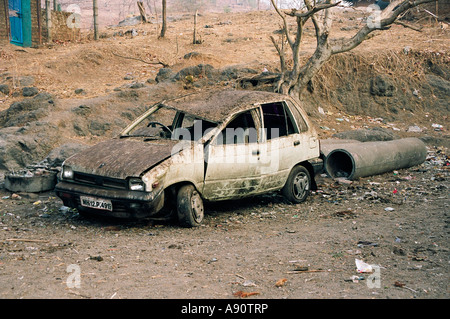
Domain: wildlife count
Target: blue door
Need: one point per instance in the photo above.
(16, 21)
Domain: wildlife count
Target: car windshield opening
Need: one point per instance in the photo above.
(169, 123)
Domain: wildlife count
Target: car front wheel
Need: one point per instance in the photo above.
(189, 206)
(297, 186)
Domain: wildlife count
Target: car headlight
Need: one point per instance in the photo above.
(136, 184)
(67, 172)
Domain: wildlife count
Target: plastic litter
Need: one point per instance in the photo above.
(414, 129)
(357, 278)
(363, 267)
(366, 243)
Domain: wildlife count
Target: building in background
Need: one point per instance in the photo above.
(21, 22)
(24, 23)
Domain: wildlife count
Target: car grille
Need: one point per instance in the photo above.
(100, 181)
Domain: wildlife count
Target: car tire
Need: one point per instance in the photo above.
(298, 185)
(189, 206)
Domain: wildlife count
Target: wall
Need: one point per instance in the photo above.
(59, 30)
(4, 26)
(36, 25)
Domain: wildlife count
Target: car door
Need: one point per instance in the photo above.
(286, 142)
(232, 162)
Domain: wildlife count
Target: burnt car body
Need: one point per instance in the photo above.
(203, 147)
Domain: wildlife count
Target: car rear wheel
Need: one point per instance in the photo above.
(297, 186)
(189, 206)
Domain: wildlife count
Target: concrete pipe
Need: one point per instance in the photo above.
(355, 160)
(329, 145)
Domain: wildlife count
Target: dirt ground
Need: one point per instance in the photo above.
(263, 247)
(397, 221)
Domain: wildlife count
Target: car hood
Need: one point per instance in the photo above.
(121, 158)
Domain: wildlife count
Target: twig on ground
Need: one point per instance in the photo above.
(165, 65)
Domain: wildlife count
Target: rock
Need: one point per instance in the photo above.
(435, 141)
(82, 110)
(130, 21)
(80, 92)
(58, 155)
(129, 95)
(441, 87)
(26, 81)
(137, 85)
(30, 91)
(133, 33)
(28, 110)
(191, 55)
(381, 86)
(195, 71)
(4, 88)
(15, 150)
(164, 74)
(80, 130)
(98, 128)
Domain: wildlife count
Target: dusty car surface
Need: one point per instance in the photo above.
(211, 146)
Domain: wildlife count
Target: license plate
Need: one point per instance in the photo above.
(96, 203)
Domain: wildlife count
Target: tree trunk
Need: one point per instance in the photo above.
(195, 27)
(142, 12)
(164, 18)
(48, 20)
(95, 5)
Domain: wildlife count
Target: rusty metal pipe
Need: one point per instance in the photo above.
(353, 160)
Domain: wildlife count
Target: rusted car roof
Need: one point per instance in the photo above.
(217, 105)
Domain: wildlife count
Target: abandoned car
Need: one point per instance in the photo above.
(211, 146)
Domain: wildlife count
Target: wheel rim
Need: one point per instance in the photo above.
(197, 207)
(301, 185)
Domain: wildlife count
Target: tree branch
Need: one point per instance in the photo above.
(280, 53)
(387, 17)
(408, 26)
(312, 10)
(286, 29)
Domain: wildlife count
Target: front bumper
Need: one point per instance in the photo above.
(125, 204)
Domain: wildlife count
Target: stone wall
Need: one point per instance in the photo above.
(36, 24)
(60, 30)
(4, 26)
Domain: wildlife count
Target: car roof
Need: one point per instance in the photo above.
(218, 105)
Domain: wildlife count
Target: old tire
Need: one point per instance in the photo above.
(189, 206)
(298, 185)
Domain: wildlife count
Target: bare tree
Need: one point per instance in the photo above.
(295, 79)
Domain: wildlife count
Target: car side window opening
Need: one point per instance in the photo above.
(241, 130)
(278, 120)
(191, 128)
(302, 126)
